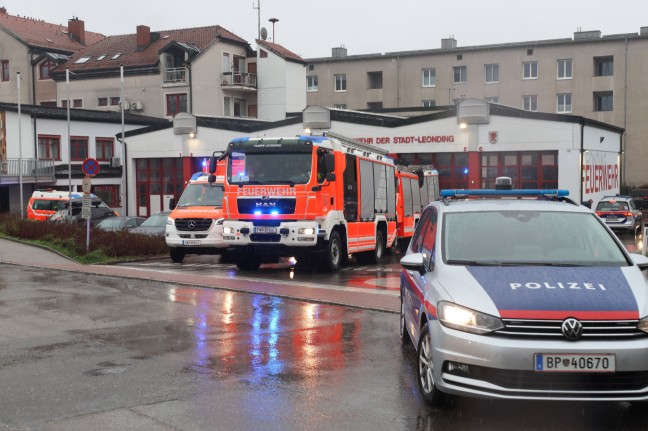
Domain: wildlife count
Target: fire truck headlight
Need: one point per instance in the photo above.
(306, 231)
(228, 230)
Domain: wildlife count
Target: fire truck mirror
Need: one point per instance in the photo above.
(172, 203)
(329, 162)
(330, 176)
(212, 164)
(211, 179)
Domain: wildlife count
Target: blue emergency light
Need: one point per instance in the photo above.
(454, 193)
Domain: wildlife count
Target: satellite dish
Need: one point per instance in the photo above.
(264, 33)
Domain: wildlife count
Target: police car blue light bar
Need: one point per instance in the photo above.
(511, 192)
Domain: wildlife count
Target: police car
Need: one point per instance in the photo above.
(523, 294)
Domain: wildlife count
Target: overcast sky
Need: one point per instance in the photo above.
(311, 28)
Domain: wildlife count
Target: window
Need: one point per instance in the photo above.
(77, 103)
(240, 107)
(108, 194)
(565, 68)
(429, 77)
(460, 74)
(102, 101)
(116, 56)
(530, 103)
(104, 148)
(101, 57)
(374, 105)
(492, 99)
(564, 103)
(114, 101)
(49, 147)
(340, 82)
(529, 51)
(5, 70)
(45, 68)
(176, 103)
(227, 106)
(311, 83)
(603, 101)
(79, 148)
(492, 73)
(604, 66)
(82, 60)
(227, 63)
(340, 106)
(375, 80)
(48, 103)
(429, 103)
(530, 70)
(64, 103)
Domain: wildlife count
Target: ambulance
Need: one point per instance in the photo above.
(195, 224)
(44, 203)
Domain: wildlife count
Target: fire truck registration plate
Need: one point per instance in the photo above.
(553, 362)
(265, 229)
(191, 242)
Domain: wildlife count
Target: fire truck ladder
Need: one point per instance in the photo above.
(366, 149)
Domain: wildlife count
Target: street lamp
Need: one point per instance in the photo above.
(67, 104)
(20, 173)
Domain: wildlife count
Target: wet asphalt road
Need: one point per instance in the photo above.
(80, 351)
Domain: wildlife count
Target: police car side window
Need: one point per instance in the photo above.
(421, 229)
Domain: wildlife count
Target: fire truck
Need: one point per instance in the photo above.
(416, 186)
(195, 224)
(319, 198)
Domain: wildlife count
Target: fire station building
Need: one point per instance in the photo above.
(470, 145)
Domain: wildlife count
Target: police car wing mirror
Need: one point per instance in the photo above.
(413, 262)
(640, 260)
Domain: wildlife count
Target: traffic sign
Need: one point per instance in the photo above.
(86, 185)
(90, 167)
(86, 205)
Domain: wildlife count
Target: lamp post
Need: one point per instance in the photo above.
(20, 175)
(67, 104)
(273, 20)
(123, 145)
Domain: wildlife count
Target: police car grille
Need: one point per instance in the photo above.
(592, 329)
(586, 382)
(201, 224)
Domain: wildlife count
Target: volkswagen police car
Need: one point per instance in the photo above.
(523, 294)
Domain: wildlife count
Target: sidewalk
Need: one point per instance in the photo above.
(17, 253)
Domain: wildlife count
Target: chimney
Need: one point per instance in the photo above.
(143, 37)
(76, 30)
(339, 52)
(3, 10)
(449, 43)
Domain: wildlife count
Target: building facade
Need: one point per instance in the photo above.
(598, 77)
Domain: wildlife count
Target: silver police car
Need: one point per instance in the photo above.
(523, 294)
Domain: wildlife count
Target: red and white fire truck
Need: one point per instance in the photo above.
(319, 198)
(415, 188)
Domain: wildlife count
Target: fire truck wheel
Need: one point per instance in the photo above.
(379, 251)
(177, 254)
(248, 262)
(334, 252)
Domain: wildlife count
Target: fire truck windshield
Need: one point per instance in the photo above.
(201, 195)
(269, 168)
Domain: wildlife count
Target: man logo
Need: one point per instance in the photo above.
(572, 329)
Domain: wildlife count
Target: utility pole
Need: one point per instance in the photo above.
(258, 8)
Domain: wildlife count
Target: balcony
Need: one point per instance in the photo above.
(175, 75)
(33, 171)
(239, 81)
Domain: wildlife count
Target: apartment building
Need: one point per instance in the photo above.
(599, 77)
(32, 48)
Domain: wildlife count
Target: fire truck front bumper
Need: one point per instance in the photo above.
(291, 234)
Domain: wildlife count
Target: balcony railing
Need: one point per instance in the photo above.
(237, 79)
(175, 74)
(33, 171)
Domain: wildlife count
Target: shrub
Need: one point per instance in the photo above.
(70, 239)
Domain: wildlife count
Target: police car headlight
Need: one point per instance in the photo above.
(170, 221)
(228, 230)
(464, 319)
(643, 324)
(306, 231)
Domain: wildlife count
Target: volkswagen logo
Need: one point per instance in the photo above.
(572, 329)
(191, 224)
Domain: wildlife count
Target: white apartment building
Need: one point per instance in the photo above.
(600, 77)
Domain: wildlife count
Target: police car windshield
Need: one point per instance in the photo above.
(269, 168)
(528, 238)
(201, 195)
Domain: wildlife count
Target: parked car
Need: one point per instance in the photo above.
(98, 212)
(620, 213)
(523, 294)
(120, 223)
(641, 198)
(154, 225)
